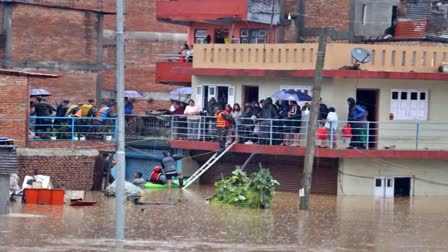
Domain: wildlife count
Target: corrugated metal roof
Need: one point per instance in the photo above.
(410, 29)
(8, 165)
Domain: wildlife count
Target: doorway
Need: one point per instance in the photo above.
(250, 94)
(369, 99)
(402, 187)
(393, 186)
(220, 35)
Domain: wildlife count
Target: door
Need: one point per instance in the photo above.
(390, 188)
(231, 96)
(379, 189)
(250, 94)
(199, 96)
(211, 93)
(369, 99)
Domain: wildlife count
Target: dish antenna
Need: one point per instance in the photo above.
(361, 55)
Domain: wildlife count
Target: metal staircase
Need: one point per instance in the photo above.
(207, 165)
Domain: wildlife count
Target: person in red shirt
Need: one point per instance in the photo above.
(157, 176)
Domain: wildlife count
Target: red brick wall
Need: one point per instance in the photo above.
(77, 86)
(14, 105)
(327, 13)
(50, 34)
(71, 172)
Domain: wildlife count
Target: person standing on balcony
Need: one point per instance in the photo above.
(189, 56)
(355, 115)
(43, 109)
(331, 124)
(323, 111)
(211, 119)
(222, 124)
(268, 112)
(294, 116)
(193, 116)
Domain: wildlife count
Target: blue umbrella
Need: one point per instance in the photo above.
(181, 91)
(291, 95)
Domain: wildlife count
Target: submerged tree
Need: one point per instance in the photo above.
(256, 191)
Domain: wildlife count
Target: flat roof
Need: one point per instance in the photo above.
(40, 4)
(26, 73)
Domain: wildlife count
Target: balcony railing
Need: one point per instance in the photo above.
(302, 57)
(72, 129)
(365, 135)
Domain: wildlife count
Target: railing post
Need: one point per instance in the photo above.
(73, 128)
(236, 131)
(367, 135)
(331, 135)
(417, 136)
(204, 128)
(172, 128)
(270, 131)
(116, 130)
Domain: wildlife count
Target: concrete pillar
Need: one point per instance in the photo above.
(4, 193)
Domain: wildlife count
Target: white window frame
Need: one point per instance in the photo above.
(408, 109)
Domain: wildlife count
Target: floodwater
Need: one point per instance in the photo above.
(184, 221)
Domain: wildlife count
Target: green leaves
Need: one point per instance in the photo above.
(238, 189)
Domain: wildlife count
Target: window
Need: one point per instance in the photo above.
(409, 104)
(364, 14)
(199, 36)
(253, 36)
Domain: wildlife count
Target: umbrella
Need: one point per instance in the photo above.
(292, 95)
(181, 91)
(39, 92)
(133, 94)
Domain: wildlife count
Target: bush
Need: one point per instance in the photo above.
(256, 191)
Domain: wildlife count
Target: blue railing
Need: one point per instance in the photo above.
(72, 129)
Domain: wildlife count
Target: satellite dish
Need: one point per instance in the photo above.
(361, 55)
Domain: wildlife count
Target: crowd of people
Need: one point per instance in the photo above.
(254, 122)
(92, 119)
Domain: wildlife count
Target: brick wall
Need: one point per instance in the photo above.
(72, 170)
(77, 86)
(327, 13)
(14, 105)
(50, 34)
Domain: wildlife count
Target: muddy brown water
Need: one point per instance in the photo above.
(184, 221)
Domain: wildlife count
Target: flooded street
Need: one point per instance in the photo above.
(184, 221)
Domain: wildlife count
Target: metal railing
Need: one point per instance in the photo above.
(360, 134)
(148, 126)
(72, 129)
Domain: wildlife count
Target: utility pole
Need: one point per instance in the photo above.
(120, 199)
(305, 191)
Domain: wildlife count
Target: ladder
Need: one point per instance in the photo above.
(207, 165)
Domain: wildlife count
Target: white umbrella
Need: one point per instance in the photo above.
(39, 92)
(181, 91)
(133, 94)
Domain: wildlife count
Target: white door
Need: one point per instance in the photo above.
(379, 189)
(211, 93)
(231, 96)
(199, 96)
(390, 183)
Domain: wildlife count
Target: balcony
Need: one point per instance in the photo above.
(423, 140)
(171, 70)
(216, 12)
(386, 58)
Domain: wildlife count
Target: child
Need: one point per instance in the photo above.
(331, 125)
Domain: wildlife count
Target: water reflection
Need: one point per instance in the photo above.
(183, 220)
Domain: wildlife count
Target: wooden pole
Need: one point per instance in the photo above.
(305, 191)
